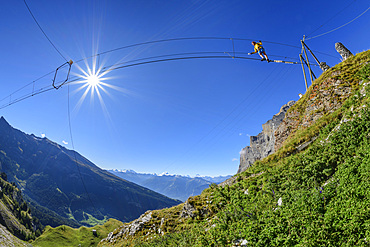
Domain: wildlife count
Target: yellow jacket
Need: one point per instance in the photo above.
(257, 46)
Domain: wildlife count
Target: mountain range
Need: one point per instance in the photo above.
(63, 187)
(174, 186)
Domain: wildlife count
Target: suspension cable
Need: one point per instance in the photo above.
(340, 26)
(153, 42)
(75, 157)
(132, 64)
(331, 18)
(43, 31)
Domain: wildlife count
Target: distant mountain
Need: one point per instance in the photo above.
(70, 194)
(174, 186)
(215, 180)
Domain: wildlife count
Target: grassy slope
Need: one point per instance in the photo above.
(66, 236)
(324, 189)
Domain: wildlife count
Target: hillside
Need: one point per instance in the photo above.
(8, 240)
(62, 191)
(313, 191)
(173, 186)
(15, 215)
(66, 236)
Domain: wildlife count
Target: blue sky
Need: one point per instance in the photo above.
(185, 117)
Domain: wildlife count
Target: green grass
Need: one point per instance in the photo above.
(92, 221)
(64, 236)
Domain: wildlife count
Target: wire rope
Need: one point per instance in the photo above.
(74, 153)
(43, 31)
(189, 38)
(130, 64)
(331, 18)
(153, 42)
(341, 25)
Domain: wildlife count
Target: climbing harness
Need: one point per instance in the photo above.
(56, 72)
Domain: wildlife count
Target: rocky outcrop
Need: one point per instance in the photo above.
(188, 210)
(324, 66)
(343, 51)
(322, 99)
(263, 144)
(129, 229)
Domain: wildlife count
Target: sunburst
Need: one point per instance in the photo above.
(93, 80)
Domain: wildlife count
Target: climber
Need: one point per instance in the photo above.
(261, 51)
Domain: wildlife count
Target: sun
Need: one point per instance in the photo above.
(93, 80)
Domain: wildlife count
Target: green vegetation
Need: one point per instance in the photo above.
(316, 197)
(15, 213)
(66, 236)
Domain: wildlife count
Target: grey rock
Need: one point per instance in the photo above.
(240, 242)
(129, 229)
(187, 210)
(263, 144)
(324, 66)
(228, 182)
(138, 224)
(343, 51)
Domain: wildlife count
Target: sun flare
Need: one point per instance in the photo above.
(93, 83)
(93, 80)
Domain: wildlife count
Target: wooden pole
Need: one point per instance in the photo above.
(317, 60)
(308, 61)
(304, 72)
(305, 62)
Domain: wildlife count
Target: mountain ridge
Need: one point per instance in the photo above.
(48, 174)
(172, 185)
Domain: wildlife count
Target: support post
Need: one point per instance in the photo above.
(323, 65)
(311, 72)
(308, 61)
(317, 60)
(304, 72)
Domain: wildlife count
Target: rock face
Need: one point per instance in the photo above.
(322, 99)
(343, 51)
(263, 144)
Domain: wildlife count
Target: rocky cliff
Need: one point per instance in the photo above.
(263, 144)
(326, 95)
